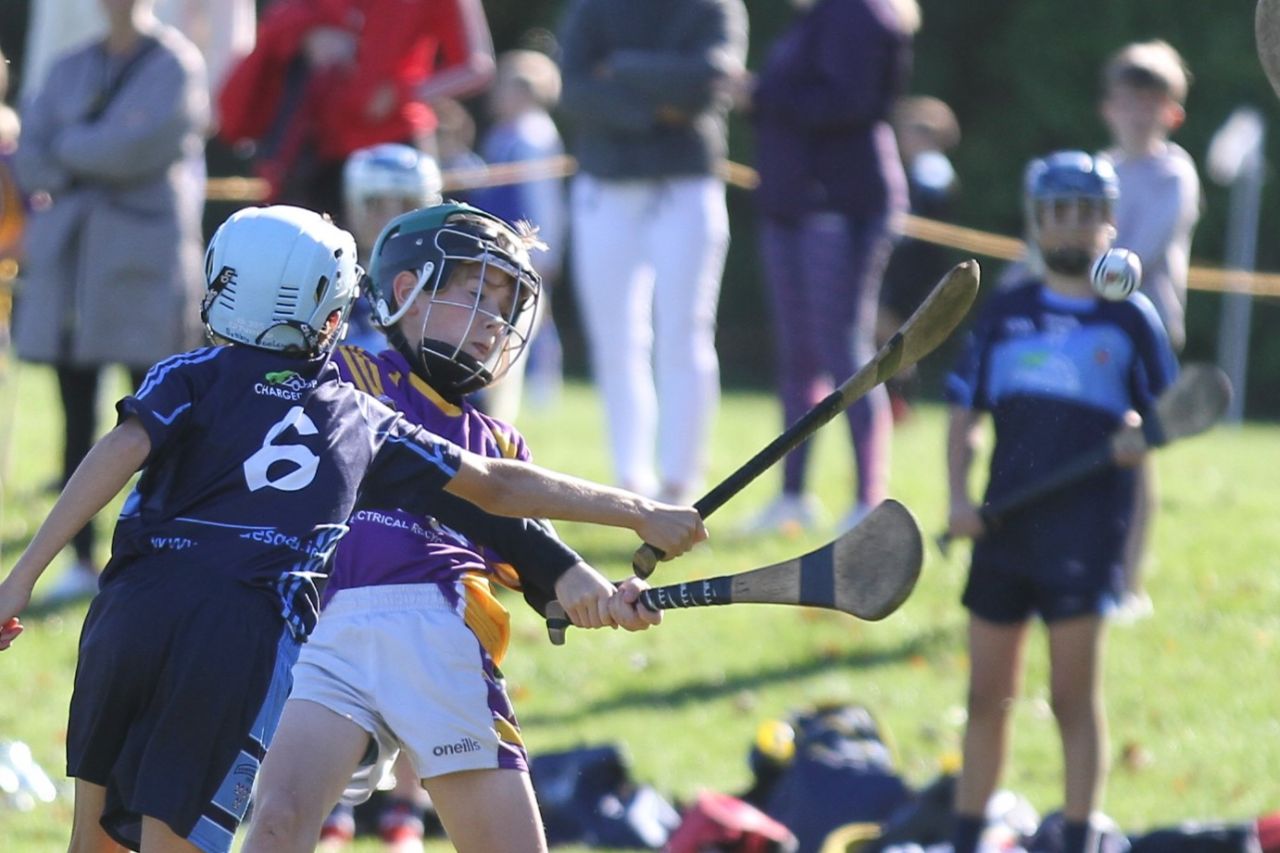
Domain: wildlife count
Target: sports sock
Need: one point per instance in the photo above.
(965, 832)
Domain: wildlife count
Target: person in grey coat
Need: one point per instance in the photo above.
(647, 87)
(111, 155)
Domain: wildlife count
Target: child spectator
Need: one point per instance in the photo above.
(526, 89)
(926, 129)
(378, 184)
(1144, 97)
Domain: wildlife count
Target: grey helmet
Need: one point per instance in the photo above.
(276, 277)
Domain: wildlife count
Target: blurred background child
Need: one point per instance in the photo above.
(527, 87)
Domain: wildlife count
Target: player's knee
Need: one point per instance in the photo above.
(990, 707)
(1071, 706)
(278, 820)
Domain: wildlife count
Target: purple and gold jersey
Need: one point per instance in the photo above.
(397, 545)
(255, 465)
(1057, 373)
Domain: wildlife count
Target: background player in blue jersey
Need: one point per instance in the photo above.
(1059, 371)
(253, 457)
(406, 655)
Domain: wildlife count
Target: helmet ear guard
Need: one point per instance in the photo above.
(279, 278)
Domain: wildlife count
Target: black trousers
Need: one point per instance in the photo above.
(78, 388)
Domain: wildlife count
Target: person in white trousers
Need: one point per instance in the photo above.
(645, 86)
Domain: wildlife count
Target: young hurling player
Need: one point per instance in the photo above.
(406, 655)
(1059, 371)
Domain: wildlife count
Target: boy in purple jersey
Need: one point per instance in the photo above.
(406, 657)
(1060, 371)
(254, 455)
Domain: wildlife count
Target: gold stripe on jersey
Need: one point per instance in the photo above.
(506, 574)
(364, 373)
(507, 732)
(506, 443)
(420, 385)
(486, 617)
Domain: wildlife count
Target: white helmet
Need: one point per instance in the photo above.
(277, 277)
(391, 169)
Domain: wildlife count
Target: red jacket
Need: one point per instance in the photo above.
(397, 41)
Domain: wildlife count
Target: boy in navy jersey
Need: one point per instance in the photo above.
(1059, 370)
(406, 656)
(254, 455)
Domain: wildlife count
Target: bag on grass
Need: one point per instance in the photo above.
(725, 824)
(586, 796)
(842, 771)
(1199, 838)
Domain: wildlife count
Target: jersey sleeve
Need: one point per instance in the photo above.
(171, 390)
(410, 469)
(529, 545)
(965, 385)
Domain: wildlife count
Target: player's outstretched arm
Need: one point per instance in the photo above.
(99, 478)
(505, 487)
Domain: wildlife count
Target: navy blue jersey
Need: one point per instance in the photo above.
(1057, 373)
(256, 462)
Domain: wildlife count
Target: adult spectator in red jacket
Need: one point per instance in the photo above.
(329, 77)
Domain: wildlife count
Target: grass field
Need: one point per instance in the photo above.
(1192, 692)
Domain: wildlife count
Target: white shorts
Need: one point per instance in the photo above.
(400, 663)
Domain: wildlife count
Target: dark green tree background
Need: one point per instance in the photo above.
(1022, 77)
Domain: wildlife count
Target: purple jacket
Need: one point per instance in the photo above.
(823, 141)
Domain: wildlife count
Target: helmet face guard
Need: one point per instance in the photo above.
(1068, 189)
(279, 278)
(438, 245)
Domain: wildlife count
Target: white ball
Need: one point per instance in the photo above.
(1116, 274)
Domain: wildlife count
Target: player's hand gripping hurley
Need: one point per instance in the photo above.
(1192, 404)
(922, 332)
(867, 572)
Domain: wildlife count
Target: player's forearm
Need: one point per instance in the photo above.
(99, 478)
(520, 489)
(961, 445)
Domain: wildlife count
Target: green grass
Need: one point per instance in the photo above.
(1191, 692)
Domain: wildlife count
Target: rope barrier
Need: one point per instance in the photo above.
(971, 240)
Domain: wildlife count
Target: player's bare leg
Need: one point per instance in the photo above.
(87, 835)
(509, 822)
(157, 837)
(1075, 662)
(314, 753)
(995, 679)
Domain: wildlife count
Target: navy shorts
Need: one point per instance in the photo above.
(1054, 563)
(179, 687)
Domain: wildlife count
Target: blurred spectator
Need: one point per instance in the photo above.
(527, 86)
(112, 249)
(455, 143)
(12, 210)
(1144, 92)
(328, 77)
(1145, 89)
(645, 85)
(378, 184)
(831, 185)
(926, 129)
(223, 31)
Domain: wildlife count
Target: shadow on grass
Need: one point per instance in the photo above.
(924, 644)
